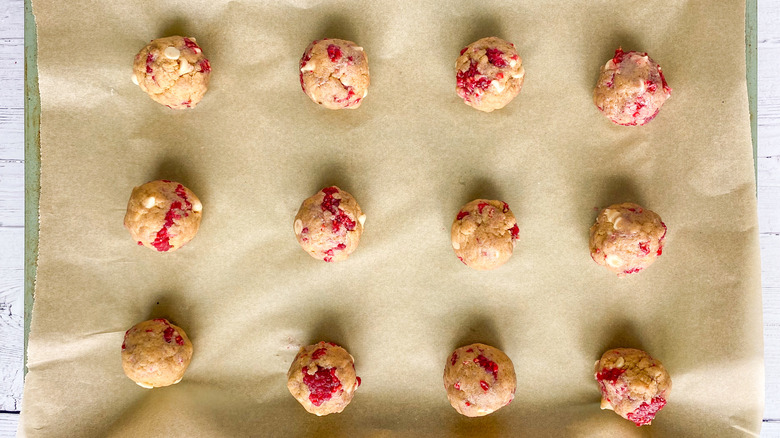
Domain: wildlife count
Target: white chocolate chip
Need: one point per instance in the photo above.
(144, 385)
(614, 261)
(193, 40)
(497, 85)
(197, 206)
(298, 226)
(134, 79)
(309, 66)
(619, 362)
(362, 219)
(185, 67)
(365, 93)
(177, 381)
(611, 215)
(512, 63)
(617, 222)
(149, 202)
(172, 52)
(455, 244)
(358, 48)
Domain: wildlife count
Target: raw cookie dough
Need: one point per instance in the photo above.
(633, 384)
(484, 234)
(173, 71)
(479, 380)
(626, 238)
(329, 224)
(163, 215)
(489, 74)
(631, 89)
(322, 378)
(334, 73)
(156, 353)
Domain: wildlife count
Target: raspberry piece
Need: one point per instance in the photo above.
(515, 231)
(644, 247)
(454, 357)
(162, 239)
(506, 208)
(462, 214)
(494, 57)
(360, 382)
(179, 340)
(645, 413)
(318, 353)
(149, 61)
(192, 45)
(205, 67)
(168, 334)
(463, 50)
(660, 250)
(457, 385)
(469, 84)
(618, 58)
(609, 375)
(322, 384)
(334, 52)
(489, 366)
(484, 385)
(632, 271)
(481, 205)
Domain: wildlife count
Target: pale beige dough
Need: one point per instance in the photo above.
(479, 380)
(329, 224)
(626, 238)
(631, 89)
(322, 378)
(173, 71)
(156, 353)
(484, 234)
(632, 384)
(163, 215)
(489, 74)
(334, 73)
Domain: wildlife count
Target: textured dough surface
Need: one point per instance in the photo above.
(173, 71)
(489, 74)
(329, 224)
(334, 73)
(626, 238)
(632, 384)
(156, 353)
(163, 215)
(484, 234)
(631, 89)
(322, 378)
(479, 380)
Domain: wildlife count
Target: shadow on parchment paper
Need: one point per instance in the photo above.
(174, 169)
(615, 190)
(174, 307)
(126, 416)
(327, 329)
(483, 188)
(477, 328)
(332, 174)
(481, 26)
(336, 25)
(620, 334)
(177, 26)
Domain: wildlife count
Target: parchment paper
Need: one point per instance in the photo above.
(255, 147)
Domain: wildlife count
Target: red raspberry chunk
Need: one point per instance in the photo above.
(322, 384)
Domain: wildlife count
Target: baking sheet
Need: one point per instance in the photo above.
(412, 154)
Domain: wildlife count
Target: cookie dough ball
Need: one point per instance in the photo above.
(489, 74)
(479, 380)
(631, 89)
(626, 238)
(334, 73)
(633, 384)
(484, 234)
(173, 71)
(156, 353)
(329, 224)
(322, 378)
(163, 215)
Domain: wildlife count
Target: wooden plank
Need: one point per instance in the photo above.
(8, 424)
(11, 194)
(11, 80)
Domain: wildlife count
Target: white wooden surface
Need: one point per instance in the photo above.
(12, 206)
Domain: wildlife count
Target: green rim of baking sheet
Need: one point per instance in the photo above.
(32, 148)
